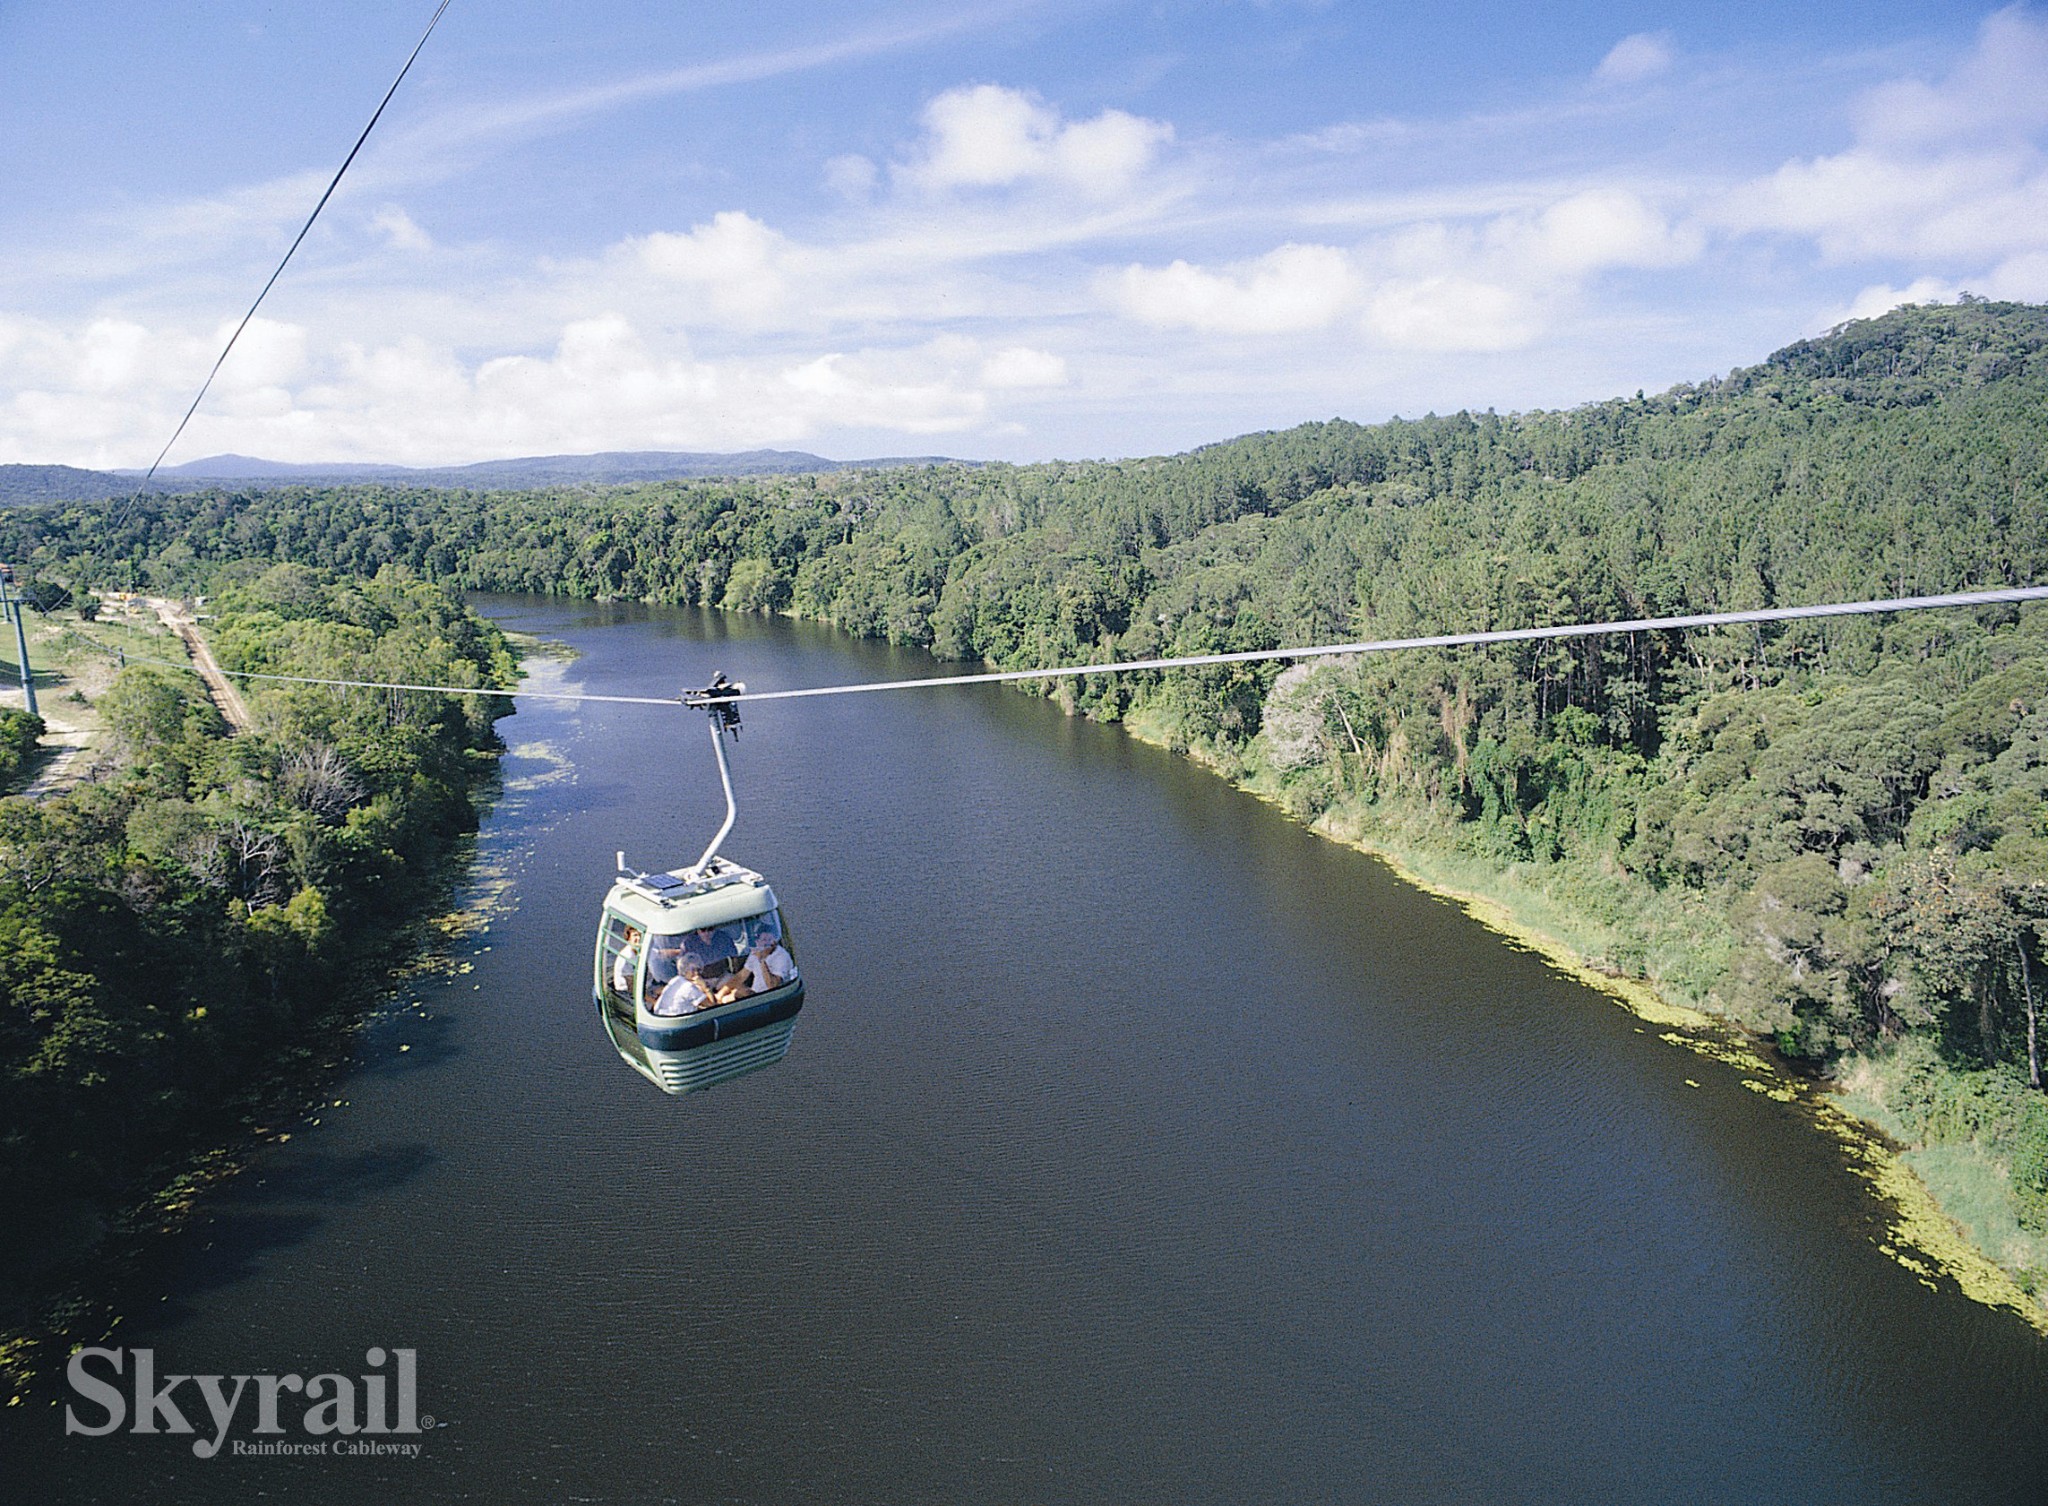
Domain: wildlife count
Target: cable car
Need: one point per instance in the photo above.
(694, 980)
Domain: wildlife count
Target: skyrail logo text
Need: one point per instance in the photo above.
(341, 1415)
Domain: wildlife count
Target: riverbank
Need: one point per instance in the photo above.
(86, 1307)
(1947, 1209)
(272, 886)
(1922, 1192)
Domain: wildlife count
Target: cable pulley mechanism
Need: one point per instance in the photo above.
(721, 699)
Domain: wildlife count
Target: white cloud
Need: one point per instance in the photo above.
(1944, 171)
(739, 264)
(1448, 313)
(1493, 284)
(1868, 202)
(99, 395)
(87, 394)
(1289, 289)
(851, 176)
(877, 393)
(1882, 298)
(1999, 91)
(987, 136)
(410, 372)
(268, 354)
(1019, 367)
(1105, 155)
(400, 230)
(108, 356)
(254, 210)
(1005, 258)
(2023, 277)
(604, 388)
(1599, 228)
(1635, 58)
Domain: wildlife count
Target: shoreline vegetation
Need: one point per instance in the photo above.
(1924, 1235)
(272, 884)
(1832, 834)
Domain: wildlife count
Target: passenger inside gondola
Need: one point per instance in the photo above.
(683, 993)
(671, 957)
(702, 947)
(768, 965)
(664, 957)
(714, 965)
(626, 961)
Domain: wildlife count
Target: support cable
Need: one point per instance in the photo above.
(1444, 640)
(303, 231)
(2003, 596)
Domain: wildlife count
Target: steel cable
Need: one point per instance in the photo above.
(2015, 594)
(304, 229)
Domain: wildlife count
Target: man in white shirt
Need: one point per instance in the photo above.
(769, 964)
(664, 957)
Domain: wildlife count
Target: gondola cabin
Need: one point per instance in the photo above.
(695, 982)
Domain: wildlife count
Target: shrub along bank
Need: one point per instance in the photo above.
(183, 926)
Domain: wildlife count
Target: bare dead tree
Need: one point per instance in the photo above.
(318, 778)
(257, 856)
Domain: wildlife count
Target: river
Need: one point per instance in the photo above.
(1134, 1145)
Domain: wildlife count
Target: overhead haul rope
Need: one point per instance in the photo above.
(1251, 656)
(303, 231)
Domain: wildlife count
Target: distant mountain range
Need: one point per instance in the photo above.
(28, 485)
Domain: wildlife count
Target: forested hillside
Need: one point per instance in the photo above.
(175, 931)
(1836, 832)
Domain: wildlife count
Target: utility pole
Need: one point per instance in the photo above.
(12, 604)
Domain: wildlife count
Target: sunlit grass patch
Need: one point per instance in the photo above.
(1975, 1189)
(1925, 1237)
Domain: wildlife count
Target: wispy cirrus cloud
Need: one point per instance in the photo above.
(1635, 58)
(563, 109)
(410, 155)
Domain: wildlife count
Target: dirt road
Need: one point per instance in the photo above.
(219, 687)
(64, 744)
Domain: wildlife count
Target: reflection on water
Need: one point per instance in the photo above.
(1134, 1145)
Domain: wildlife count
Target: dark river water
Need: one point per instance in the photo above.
(1135, 1145)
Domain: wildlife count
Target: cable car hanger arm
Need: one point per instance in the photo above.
(717, 698)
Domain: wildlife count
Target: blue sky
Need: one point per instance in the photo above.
(1013, 230)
